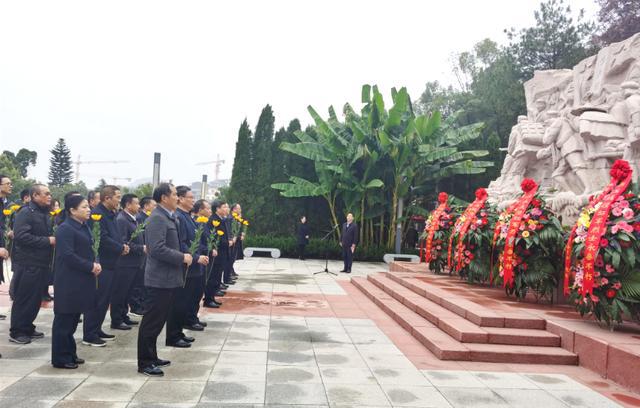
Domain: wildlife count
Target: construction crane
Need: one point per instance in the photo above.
(79, 162)
(114, 178)
(218, 163)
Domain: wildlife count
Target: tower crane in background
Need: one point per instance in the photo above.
(218, 163)
(79, 162)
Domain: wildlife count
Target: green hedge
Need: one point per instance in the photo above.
(317, 248)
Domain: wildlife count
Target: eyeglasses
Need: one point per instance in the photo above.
(7, 184)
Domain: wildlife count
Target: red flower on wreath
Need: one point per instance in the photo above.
(604, 242)
(611, 293)
(528, 185)
(620, 170)
(443, 197)
(535, 202)
(481, 193)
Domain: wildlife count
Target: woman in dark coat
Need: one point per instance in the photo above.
(302, 236)
(75, 281)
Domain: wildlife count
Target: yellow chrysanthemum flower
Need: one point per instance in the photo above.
(525, 234)
(6, 212)
(215, 223)
(96, 217)
(148, 213)
(220, 233)
(245, 222)
(14, 207)
(202, 220)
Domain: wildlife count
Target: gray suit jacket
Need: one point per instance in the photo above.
(164, 261)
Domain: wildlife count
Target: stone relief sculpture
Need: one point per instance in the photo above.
(578, 123)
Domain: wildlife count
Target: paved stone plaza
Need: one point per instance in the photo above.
(300, 353)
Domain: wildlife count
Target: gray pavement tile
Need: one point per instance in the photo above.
(20, 368)
(277, 374)
(555, 382)
(400, 376)
(528, 398)
(458, 379)
(505, 380)
(25, 403)
(246, 345)
(356, 395)
(245, 392)
(472, 397)
(7, 381)
(160, 405)
(339, 358)
(583, 398)
(238, 373)
(243, 357)
(291, 346)
(90, 404)
(83, 371)
(188, 356)
(41, 388)
(185, 372)
(116, 370)
(347, 375)
(415, 396)
(30, 352)
(305, 358)
(296, 394)
(170, 391)
(107, 389)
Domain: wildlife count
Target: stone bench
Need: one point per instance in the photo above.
(248, 252)
(388, 258)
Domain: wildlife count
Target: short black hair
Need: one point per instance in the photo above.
(108, 191)
(145, 200)
(24, 194)
(72, 201)
(234, 206)
(197, 206)
(126, 199)
(182, 190)
(2, 176)
(69, 194)
(35, 189)
(164, 189)
(217, 204)
(92, 195)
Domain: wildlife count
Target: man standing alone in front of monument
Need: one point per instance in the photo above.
(348, 242)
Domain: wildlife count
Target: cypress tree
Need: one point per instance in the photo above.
(262, 203)
(241, 175)
(60, 172)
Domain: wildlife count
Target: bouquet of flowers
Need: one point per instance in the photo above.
(528, 239)
(602, 252)
(195, 244)
(436, 235)
(213, 240)
(95, 237)
(470, 241)
(9, 214)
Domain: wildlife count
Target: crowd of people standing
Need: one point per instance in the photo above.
(160, 258)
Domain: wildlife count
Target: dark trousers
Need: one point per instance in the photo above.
(26, 299)
(193, 306)
(123, 280)
(181, 310)
(213, 283)
(301, 248)
(93, 319)
(47, 280)
(137, 294)
(63, 345)
(159, 306)
(347, 255)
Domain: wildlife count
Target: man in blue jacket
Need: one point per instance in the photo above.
(111, 248)
(128, 265)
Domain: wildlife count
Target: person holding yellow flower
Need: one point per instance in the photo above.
(136, 297)
(6, 186)
(213, 287)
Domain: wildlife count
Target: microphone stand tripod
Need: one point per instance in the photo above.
(326, 253)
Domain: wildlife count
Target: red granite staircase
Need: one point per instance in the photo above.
(454, 328)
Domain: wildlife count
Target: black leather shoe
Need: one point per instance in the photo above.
(223, 286)
(20, 339)
(203, 324)
(68, 366)
(193, 327)
(220, 293)
(47, 298)
(130, 322)
(231, 282)
(36, 335)
(188, 339)
(162, 363)
(79, 360)
(151, 371)
(121, 326)
(179, 344)
(2, 317)
(211, 305)
(344, 270)
(106, 336)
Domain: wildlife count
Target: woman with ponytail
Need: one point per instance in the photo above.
(75, 280)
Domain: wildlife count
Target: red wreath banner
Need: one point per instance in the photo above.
(469, 216)
(529, 187)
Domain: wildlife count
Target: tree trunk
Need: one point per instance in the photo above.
(362, 217)
(381, 236)
(331, 201)
(392, 218)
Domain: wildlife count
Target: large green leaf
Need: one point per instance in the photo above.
(311, 151)
(375, 183)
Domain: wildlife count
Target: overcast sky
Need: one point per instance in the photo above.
(120, 80)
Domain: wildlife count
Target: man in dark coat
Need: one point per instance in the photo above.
(302, 236)
(137, 294)
(192, 290)
(111, 248)
(213, 286)
(348, 242)
(32, 251)
(163, 275)
(128, 265)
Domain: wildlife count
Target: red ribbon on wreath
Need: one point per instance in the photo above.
(529, 187)
(435, 223)
(496, 234)
(620, 174)
(469, 217)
